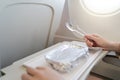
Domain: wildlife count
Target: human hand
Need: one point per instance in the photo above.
(95, 40)
(41, 73)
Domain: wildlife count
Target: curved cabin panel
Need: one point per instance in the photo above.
(27, 27)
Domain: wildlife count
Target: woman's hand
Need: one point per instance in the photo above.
(95, 40)
(41, 73)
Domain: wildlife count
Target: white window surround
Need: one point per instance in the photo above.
(101, 7)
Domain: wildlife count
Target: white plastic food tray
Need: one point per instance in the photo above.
(74, 74)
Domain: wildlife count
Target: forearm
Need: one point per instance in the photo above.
(115, 46)
(119, 48)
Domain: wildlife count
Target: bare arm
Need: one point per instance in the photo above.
(99, 41)
(115, 46)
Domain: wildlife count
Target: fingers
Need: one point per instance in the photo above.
(26, 77)
(31, 71)
(41, 73)
(90, 44)
(91, 37)
(95, 35)
(41, 68)
(92, 40)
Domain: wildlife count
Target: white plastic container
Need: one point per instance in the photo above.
(66, 57)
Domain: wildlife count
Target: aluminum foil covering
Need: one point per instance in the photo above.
(66, 57)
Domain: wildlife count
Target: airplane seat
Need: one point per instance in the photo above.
(113, 60)
(108, 67)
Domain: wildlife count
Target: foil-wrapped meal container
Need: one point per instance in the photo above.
(66, 57)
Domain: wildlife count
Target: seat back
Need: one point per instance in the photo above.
(27, 26)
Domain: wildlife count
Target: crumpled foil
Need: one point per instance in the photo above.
(66, 57)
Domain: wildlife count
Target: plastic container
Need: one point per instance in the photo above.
(66, 57)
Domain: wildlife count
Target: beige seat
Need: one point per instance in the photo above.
(108, 67)
(114, 60)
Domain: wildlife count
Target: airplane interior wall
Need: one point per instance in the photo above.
(23, 36)
(107, 26)
(27, 27)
